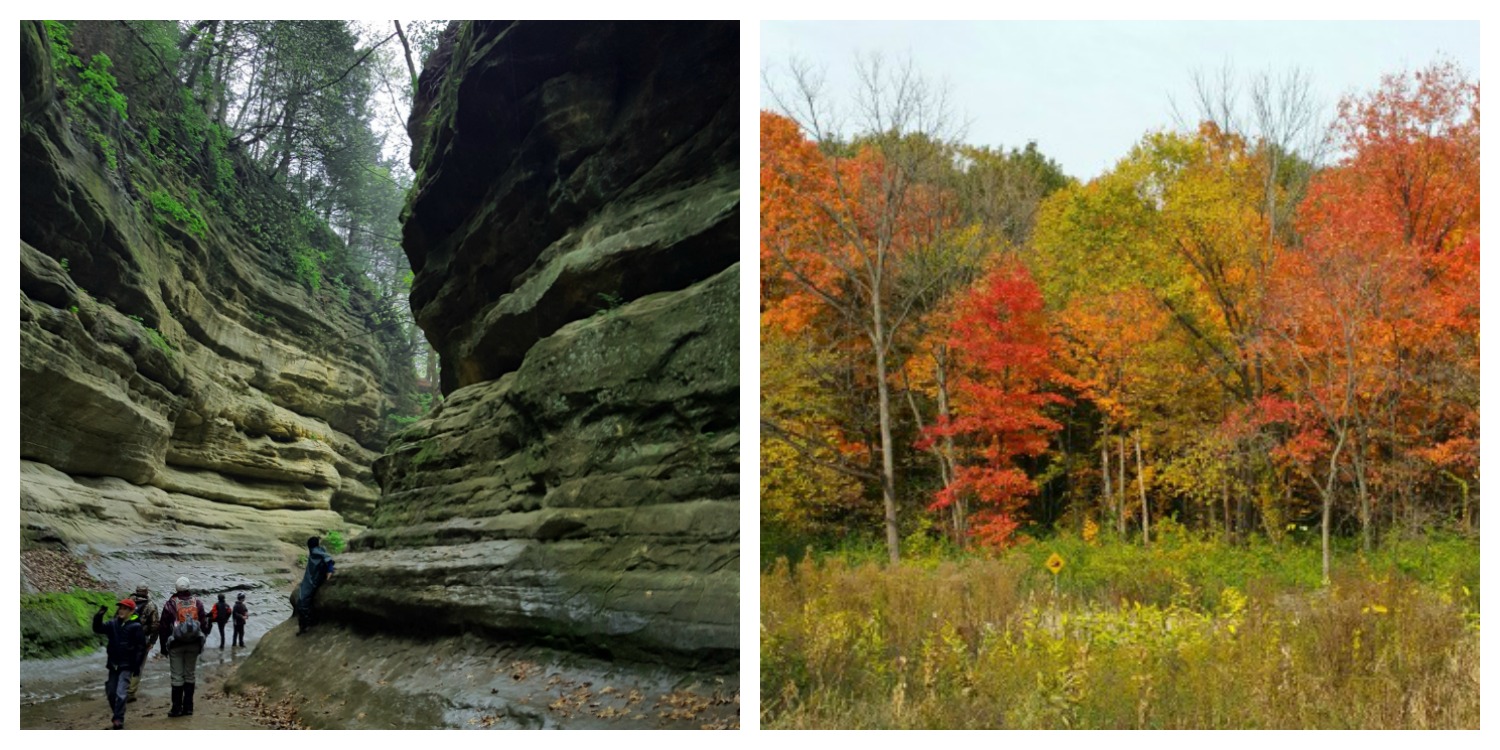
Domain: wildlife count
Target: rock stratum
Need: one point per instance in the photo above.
(183, 397)
(574, 236)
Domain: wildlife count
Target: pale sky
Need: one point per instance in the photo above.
(1087, 91)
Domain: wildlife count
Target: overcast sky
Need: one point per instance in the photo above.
(1087, 91)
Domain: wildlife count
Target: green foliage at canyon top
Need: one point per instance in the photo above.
(285, 134)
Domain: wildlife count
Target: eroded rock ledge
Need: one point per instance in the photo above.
(574, 237)
(186, 365)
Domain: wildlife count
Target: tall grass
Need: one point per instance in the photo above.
(1188, 634)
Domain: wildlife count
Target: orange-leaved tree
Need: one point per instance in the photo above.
(839, 222)
(1374, 330)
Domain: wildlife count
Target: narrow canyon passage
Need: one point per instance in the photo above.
(500, 381)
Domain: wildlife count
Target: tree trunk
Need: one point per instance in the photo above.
(432, 372)
(410, 66)
(942, 450)
(201, 55)
(1104, 471)
(1122, 486)
(221, 90)
(1140, 479)
(887, 460)
(877, 334)
(1228, 533)
(949, 463)
(1362, 489)
(1333, 469)
(1327, 514)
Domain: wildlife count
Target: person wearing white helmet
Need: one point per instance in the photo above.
(184, 624)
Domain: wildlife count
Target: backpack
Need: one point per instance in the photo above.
(187, 629)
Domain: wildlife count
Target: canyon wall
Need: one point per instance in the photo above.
(574, 235)
(183, 397)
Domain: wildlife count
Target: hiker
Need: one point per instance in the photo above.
(148, 615)
(219, 615)
(319, 568)
(241, 613)
(184, 622)
(127, 641)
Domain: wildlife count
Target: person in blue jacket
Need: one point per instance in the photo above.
(319, 568)
(123, 656)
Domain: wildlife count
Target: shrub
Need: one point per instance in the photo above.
(307, 266)
(96, 85)
(1186, 634)
(99, 85)
(169, 208)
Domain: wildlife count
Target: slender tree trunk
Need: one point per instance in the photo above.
(893, 537)
(1122, 486)
(201, 55)
(887, 460)
(1228, 532)
(432, 371)
(1333, 469)
(1140, 479)
(1104, 471)
(1327, 515)
(410, 66)
(1362, 490)
(949, 463)
(221, 89)
(942, 450)
(1464, 513)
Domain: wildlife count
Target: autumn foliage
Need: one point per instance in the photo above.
(1222, 330)
(1005, 370)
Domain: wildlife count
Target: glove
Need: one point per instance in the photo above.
(103, 609)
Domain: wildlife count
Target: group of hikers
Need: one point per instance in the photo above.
(181, 631)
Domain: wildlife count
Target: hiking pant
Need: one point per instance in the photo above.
(222, 627)
(116, 688)
(304, 614)
(184, 665)
(239, 633)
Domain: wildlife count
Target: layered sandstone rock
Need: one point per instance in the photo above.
(188, 374)
(574, 237)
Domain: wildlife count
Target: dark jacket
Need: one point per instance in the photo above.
(240, 613)
(220, 612)
(319, 565)
(127, 641)
(169, 618)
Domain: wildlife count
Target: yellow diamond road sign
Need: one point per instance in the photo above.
(1055, 563)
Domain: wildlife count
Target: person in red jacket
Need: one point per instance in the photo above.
(184, 625)
(220, 617)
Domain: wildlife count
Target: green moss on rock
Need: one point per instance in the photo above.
(61, 623)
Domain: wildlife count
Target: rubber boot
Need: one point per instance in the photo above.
(177, 691)
(187, 698)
